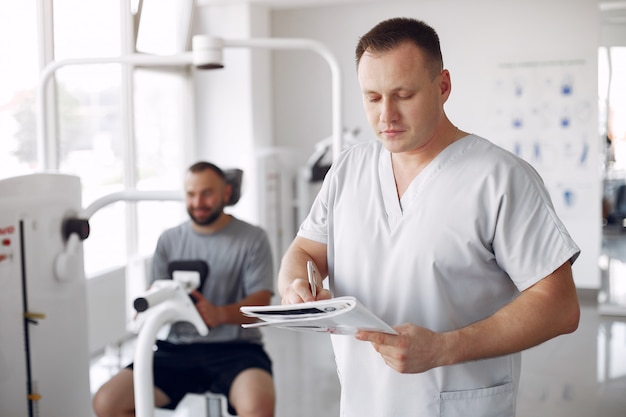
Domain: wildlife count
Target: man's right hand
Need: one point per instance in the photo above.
(210, 313)
(299, 291)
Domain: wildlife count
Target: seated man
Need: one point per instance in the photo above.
(230, 360)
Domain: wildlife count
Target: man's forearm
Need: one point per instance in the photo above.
(230, 313)
(546, 310)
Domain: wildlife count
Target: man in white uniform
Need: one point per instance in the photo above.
(447, 237)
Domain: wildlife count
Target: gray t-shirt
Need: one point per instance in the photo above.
(240, 263)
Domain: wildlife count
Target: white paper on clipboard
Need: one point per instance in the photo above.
(340, 315)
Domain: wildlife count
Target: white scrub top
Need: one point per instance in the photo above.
(473, 229)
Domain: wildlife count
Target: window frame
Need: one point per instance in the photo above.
(130, 21)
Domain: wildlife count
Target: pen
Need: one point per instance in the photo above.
(310, 269)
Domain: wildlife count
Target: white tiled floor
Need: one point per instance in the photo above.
(577, 375)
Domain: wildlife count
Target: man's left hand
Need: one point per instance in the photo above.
(413, 350)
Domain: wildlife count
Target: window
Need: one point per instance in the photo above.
(161, 130)
(18, 144)
(164, 27)
(162, 122)
(90, 119)
(611, 87)
(111, 139)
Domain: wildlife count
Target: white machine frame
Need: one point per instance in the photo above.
(43, 316)
(207, 50)
(168, 302)
(43, 304)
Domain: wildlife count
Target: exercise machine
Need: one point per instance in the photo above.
(167, 302)
(44, 355)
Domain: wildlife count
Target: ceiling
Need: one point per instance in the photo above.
(284, 4)
(612, 12)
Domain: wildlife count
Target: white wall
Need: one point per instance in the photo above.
(234, 120)
(481, 41)
(233, 105)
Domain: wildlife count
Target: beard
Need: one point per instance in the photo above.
(210, 219)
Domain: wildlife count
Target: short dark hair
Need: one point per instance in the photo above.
(203, 166)
(390, 33)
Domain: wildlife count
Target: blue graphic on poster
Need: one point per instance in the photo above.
(542, 113)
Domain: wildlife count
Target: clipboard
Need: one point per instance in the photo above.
(340, 315)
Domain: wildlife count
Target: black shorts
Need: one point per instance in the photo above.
(202, 367)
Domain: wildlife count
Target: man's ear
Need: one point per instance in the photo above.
(445, 84)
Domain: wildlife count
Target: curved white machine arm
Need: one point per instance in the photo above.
(64, 259)
(172, 305)
(129, 195)
(47, 151)
(326, 54)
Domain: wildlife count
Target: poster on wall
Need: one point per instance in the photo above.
(543, 111)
